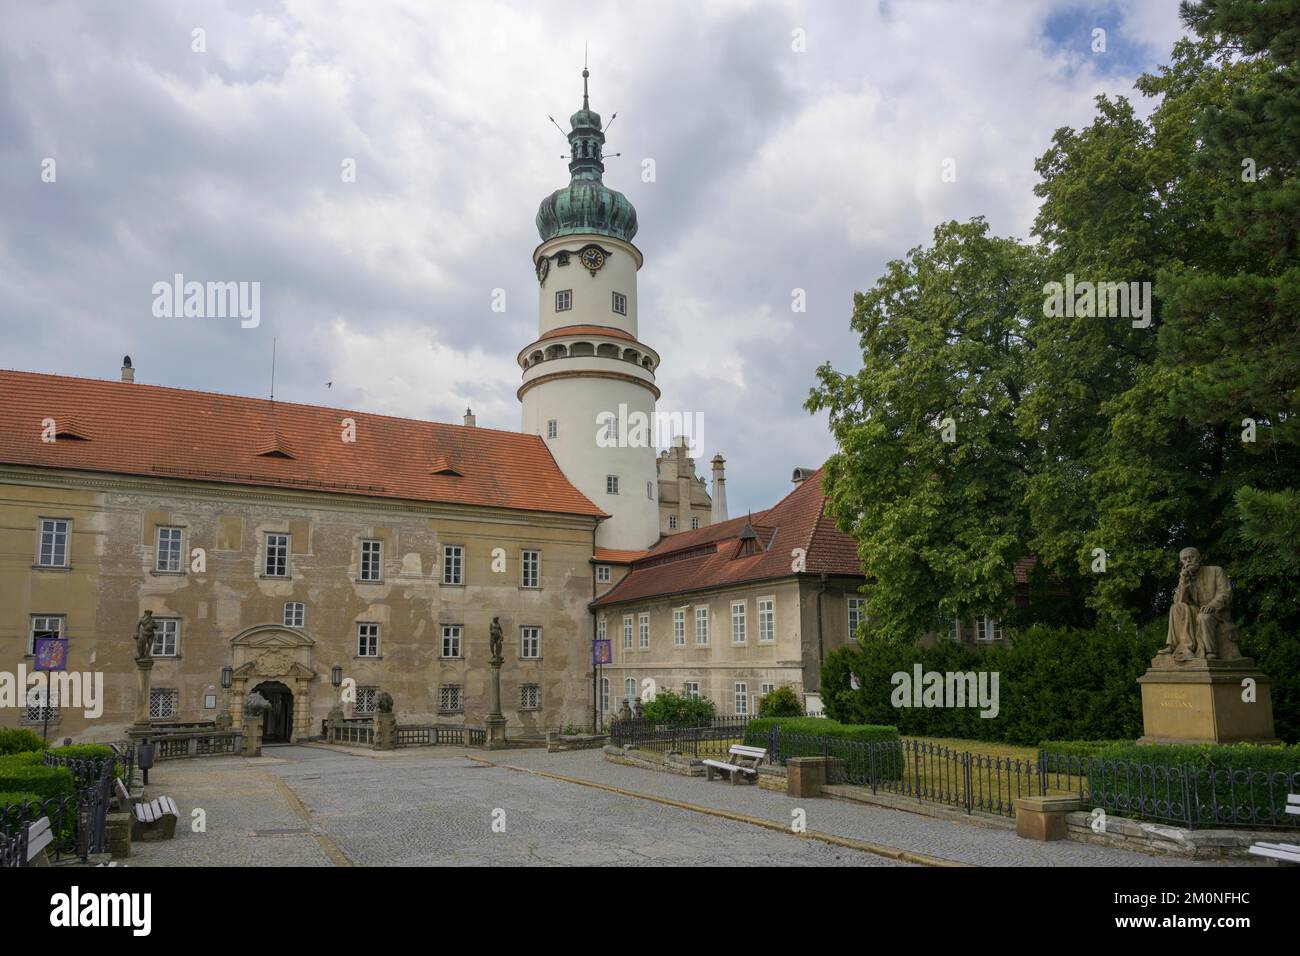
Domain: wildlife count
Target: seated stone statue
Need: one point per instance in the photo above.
(1199, 623)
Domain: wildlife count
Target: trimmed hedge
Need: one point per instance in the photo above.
(781, 702)
(18, 774)
(20, 797)
(1078, 748)
(16, 740)
(756, 730)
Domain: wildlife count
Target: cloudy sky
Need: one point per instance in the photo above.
(776, 169)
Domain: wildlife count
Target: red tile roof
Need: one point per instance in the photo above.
(707, 558)
(615, 556)
(137, 429)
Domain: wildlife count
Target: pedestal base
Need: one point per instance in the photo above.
(385, 732)
(496, 732)
(1200, 702)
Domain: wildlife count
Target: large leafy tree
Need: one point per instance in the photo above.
(931, 469)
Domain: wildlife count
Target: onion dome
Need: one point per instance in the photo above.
(586, 205)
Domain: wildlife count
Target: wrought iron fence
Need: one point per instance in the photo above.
(702, 740)
(78, 821)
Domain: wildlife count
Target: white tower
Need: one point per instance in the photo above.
(588, 382)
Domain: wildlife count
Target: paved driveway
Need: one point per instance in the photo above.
(312, 806)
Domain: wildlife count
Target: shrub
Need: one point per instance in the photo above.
(1077, 748)
(91, 757)
(1278, 655)
(757, 729)
(678, 710)
(18, 798)
(16, 740)
(1054, 683)
(18, 774)
(782, 702)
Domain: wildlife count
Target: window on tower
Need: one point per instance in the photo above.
(552, 428)
(564, 300)
(562, 259)
(611, 484)
(620, 303)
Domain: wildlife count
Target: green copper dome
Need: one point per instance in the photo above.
(586, 205)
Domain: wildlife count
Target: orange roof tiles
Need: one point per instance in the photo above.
(615, 556)
(138, 429)
(589, 330)
(708, 557)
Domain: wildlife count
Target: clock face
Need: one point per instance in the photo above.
(593, 258)
(543, 267)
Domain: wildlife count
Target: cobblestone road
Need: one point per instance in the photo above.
(310, 806)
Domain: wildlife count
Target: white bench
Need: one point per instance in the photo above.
(743, 766)
(1287, 852)
(39, 835)
(154, 819)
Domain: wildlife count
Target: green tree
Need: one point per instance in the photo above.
(930, 472)
(678, 710)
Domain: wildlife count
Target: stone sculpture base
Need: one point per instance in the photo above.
(385, 732)
(496, 732)
(143, 680)
(1199, 702)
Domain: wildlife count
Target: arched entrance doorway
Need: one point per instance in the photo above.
(278, 726)
(279, 657)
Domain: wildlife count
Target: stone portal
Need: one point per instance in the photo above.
(269, 655)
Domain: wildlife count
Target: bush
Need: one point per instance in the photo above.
(1054, 683)
(757, 729)
(19, 774)
(1078, 748)
(1278, 655)
(678, 710)
(15, 740)
(782, 702)
(18, 798)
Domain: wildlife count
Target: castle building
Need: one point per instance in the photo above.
(324, 556)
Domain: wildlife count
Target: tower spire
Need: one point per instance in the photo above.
(585, 74)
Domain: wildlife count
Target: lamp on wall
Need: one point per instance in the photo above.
(227, 677)
(336, 676)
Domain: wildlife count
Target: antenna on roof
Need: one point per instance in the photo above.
(558, 126)
(272, 369)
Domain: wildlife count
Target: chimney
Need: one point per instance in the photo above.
(470, 420)
(801, 475)
(719, 512)
(128, 373)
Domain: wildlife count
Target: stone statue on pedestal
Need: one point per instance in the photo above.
(495, 722)
(144, 635)
(1200, 626)
(495, 642)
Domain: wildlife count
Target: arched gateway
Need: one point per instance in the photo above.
(278, 661)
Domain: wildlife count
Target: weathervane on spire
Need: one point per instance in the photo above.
(585, 74)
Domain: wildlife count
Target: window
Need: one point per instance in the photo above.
(650, 490)
(855, 615)
(366, 698)
(604, 695)
(453, 564)
(530, 642)
(738, 622)
(766, 620)
(449, 699)
(451, 634)
(44, 625)
(532, 569)
(165, 637)
(672, 522)
(742, 699)
(679, 626)
(530, 696)
(695, 523)
(37, 709)
(766, 689)
(295, 614)
(629, 692)
(600, 629)
(562, 259)
(627, 632)
(54, 543)
(169, 550)
(643, 631)
(277, 555)
(552, 428)
(701, 625)
(367, 640)
(620, 303)
(564, 300)
(692, 689)
(602, 574)
(954, 630)
(164, 703)
(611, 484)
(988, 629)
(372, 560)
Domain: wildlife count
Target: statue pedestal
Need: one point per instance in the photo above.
(385, 732)
(252, 736)
(496, 732)
(1200, 702)
(143, 680)
(495, 723)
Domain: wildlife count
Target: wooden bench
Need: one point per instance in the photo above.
(154, 819)
(39, 835)
(1286, 852)
(743, 766)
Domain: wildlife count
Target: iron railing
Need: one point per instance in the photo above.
(702, 740)
(78, 821)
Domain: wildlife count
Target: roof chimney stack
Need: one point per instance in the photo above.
(719, 512)
(128, 373)
(470, 420)
(801, 475)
